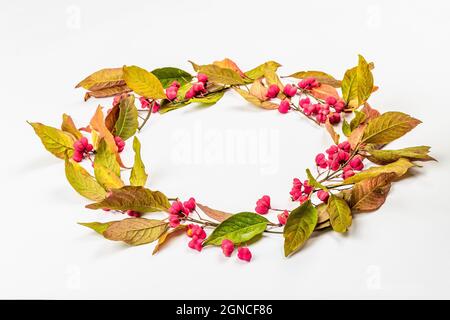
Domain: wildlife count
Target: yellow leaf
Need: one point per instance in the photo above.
(105, 157)
(388, 127)
(322, 77)
(330, 129)
(136, 231)
(107, 178)
(221, 75)
(98, 124)
(142, 82)
(169, 235)
(107, 92)
(419, 153)
(357, 84)
(340, 214)
(399, 167)
(83, 182)
(69, 126)
(259, 71)
(56, 141)
(102, 79)
(127, 123)
(138, 175)
(255, 101)
(229, 64)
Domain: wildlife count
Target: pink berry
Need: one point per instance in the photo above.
(323, 195)
(196, 243)
(342, 156)
(156, 107)
(196, 230)
(89, 147)
(296, 191)
(308, 83)
(356, 164)
(307, 188)
(321, 161)
(227, 247)
(339, 106)
(84, 141)
(177, 208)
(171, 93)
(132, 213)
(119, 143)
(334, 164)
(174, 221)
(175, 84)
(348, 174)
(272, 91)
(263, 205)
(190, 204)
(334, 118)
(282, 217)
(331, 100)
(304, 102)
(78, 146)
(77, 156)
(321, 118)
(290, 90)
(303, 198)
(244, 254)
(190, 93)
(332, 150)
(144, 103)
(201, 77)
(345, 146)
(199, 87)
(284, 106)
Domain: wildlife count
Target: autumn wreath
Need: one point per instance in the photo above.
(342, 183)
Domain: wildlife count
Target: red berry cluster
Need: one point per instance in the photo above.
(172, 90)
(180, 210)
(198, 88)
(119, 143)
(228, 248)
(338, 157)
(198, 235)
(146, 103)
(300, 191)
(81, 148)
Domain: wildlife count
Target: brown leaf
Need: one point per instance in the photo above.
(69, 126)
(169, 235)
(370, 112)
(111, 117)
(107, 92)
(356, 136)
(322, 77)
(214, 214)
(370, 194)
(334, 136)
(322, 212)
(255, 101)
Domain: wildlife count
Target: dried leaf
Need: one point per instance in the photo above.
(258, 90)
(370, 112)
(356, 135)
(83, 182)
(255, 101)
(69, 126)
(221, 75)
(111, 118)
(238, 228)
(340, 214)
(325, 91)
(229, 64)
(333, 134)
(142, 82)
(214, 214)
(322, 77)
(98, 124)
(138, 175)
(169, 235)
(104, 78)
(399, 167)
(370, 194)
(299, 227)
(388, 127)
(107, 92)
(56, 141)
(136, 231)
(322, 212)
(134, 198)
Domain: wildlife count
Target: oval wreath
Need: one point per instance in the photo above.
(340, 185)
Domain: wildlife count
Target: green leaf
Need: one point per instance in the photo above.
(357, 84)
(209, 99)
(106, 157)
(340, 214)
(138, 175)
(102, 79)
(359, 118)
(220, 75)
(168, 75)
(370, 194)
(69, 126)
(142, 82)
(83, 182)
(98, 227)
(127, 123)
(259, 71)
(107, 178)
(346, 128)
(299, 227)
(313, 182)
(133, 198)
(136, 231)
(419, 153)
(399, 167)
(239, 228)
(320, 76)
(388, 127)
(56, 141)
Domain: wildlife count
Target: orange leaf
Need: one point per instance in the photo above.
(229, 64)
(325, 91)
(258, 90)
(332, 132)
(169, 235)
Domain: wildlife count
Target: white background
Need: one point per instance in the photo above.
(400, 251)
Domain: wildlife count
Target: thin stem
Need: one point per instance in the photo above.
(147, 117)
